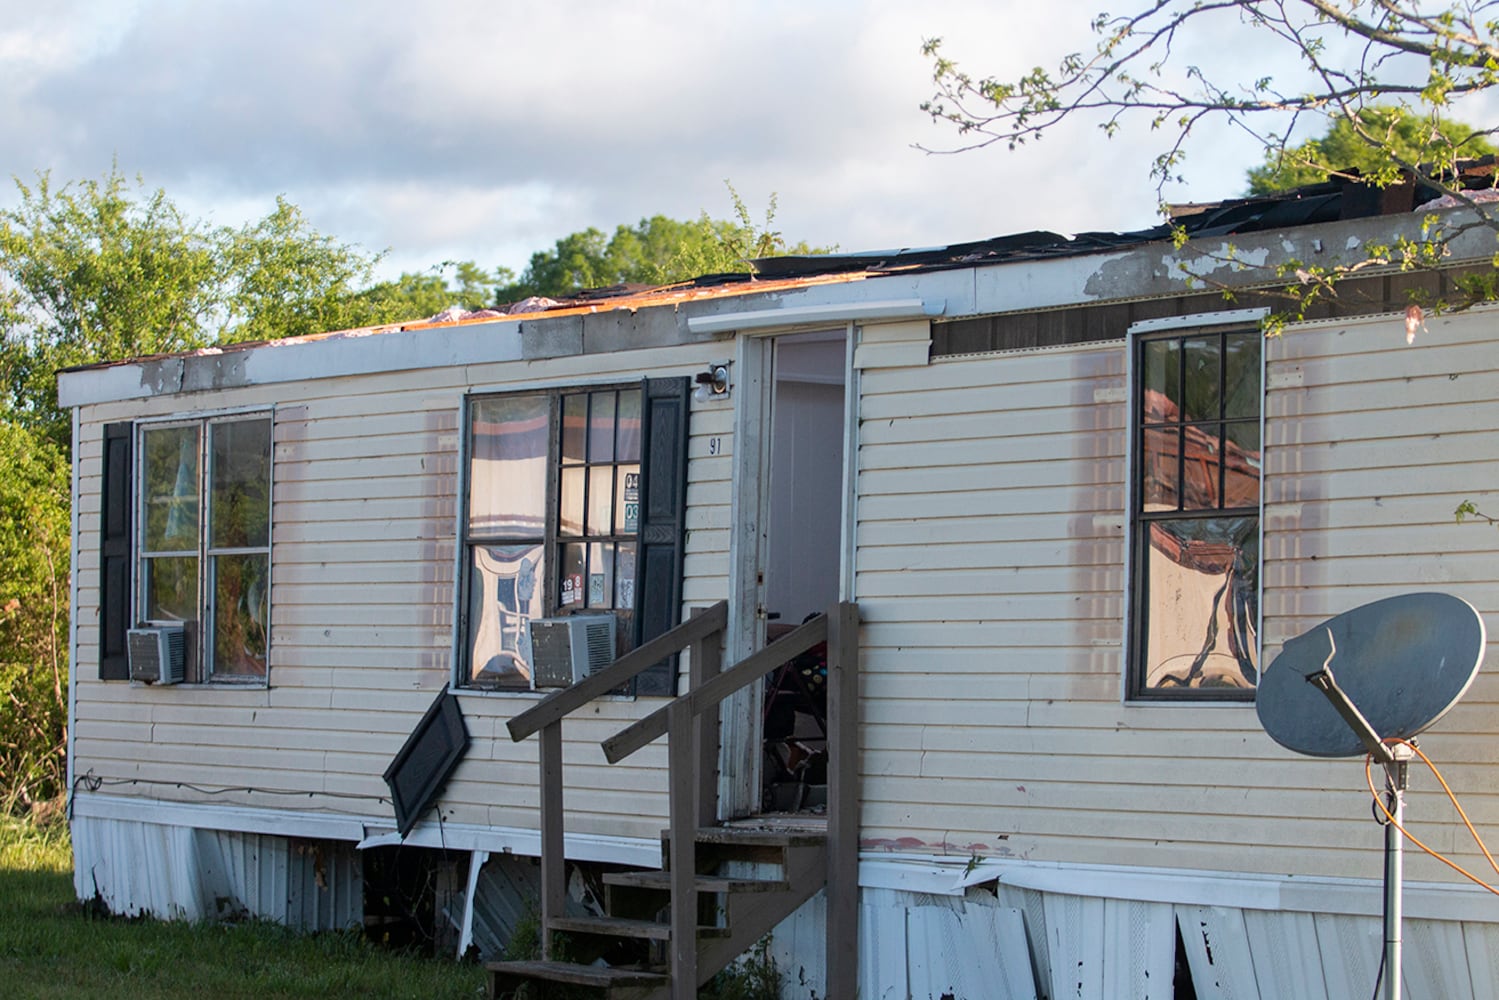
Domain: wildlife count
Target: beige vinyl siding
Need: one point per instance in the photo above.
(991, 578)
(366, 478)
(710, 500)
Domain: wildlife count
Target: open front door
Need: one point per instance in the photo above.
(788, 560)
(802, 560)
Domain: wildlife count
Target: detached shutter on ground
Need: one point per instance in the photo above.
(663, 505)
(114, 549)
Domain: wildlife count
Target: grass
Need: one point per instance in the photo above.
(52, 948)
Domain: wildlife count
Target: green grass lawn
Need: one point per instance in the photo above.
(51, 948)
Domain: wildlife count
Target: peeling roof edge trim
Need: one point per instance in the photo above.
(765, 319)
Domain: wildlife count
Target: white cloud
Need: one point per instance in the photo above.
(464, 129)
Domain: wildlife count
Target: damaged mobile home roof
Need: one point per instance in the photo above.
(785, 291)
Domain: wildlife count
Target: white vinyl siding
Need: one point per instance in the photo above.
(365, 512)
(990, 575)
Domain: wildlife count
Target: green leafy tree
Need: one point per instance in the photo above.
(1344, 150)
(655, 251)
(34, 524)
(415, 295)
(103, 270)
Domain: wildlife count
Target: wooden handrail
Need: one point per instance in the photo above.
(691, 723)
(745, 672)
(562, 703)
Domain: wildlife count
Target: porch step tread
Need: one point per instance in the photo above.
(755, 837)
(701, 883)
(601, 976)
(622, 927)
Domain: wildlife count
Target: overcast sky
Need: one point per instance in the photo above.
(486, 129)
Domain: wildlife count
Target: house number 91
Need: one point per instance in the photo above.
(715, 446)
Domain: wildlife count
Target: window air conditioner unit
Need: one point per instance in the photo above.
(566, 650)
(157, 654)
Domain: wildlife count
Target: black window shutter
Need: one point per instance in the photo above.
(114, 552)
(663, 507)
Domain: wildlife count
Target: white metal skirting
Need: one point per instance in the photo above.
(183, 873)
(1008, 943)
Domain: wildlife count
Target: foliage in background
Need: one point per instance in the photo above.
(655, 251)
(1404, 135)
(426, 293)
(34, 592)
(102, 270)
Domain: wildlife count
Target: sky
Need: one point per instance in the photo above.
(486, 129)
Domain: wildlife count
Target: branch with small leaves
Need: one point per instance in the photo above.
(1417, 56)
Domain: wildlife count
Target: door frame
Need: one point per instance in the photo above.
(739, 785)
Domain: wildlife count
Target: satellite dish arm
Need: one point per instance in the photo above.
(1324, 681)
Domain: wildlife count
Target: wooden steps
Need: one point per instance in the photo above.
(511, 980)
(734, 911)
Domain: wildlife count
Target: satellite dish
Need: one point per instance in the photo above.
(1403, 662)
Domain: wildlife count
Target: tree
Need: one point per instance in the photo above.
(34, 523)
(1417, 59)
(1402, 134)
(426, 293)
(655, 251)
(99, 270)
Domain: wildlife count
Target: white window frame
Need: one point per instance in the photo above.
(201, 671)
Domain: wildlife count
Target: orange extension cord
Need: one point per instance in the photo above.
(1369, 777)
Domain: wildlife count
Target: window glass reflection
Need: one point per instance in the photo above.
(1160, 381)
(1200, 393)
(504, 595)
(601, 500)
(241, 589)
(628, 449)
(601, 427)
(239, 503)
(170, 488)
(1241, 375)
(171, 588)
(1201, 603)
(508, 466)
(574, 428)
(570, 515)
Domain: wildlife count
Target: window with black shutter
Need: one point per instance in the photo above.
(573, 504)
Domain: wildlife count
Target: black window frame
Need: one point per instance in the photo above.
(658, 539)
(1208, 431)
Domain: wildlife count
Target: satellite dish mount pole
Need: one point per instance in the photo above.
(1396, 762)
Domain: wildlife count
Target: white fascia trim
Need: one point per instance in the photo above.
(1243, 890)
(839, 313)
(1225, 318)
(369, 351)
(365, 831)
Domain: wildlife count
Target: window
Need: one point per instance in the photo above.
(555, 520)
(204, 529)
(1195, 503)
